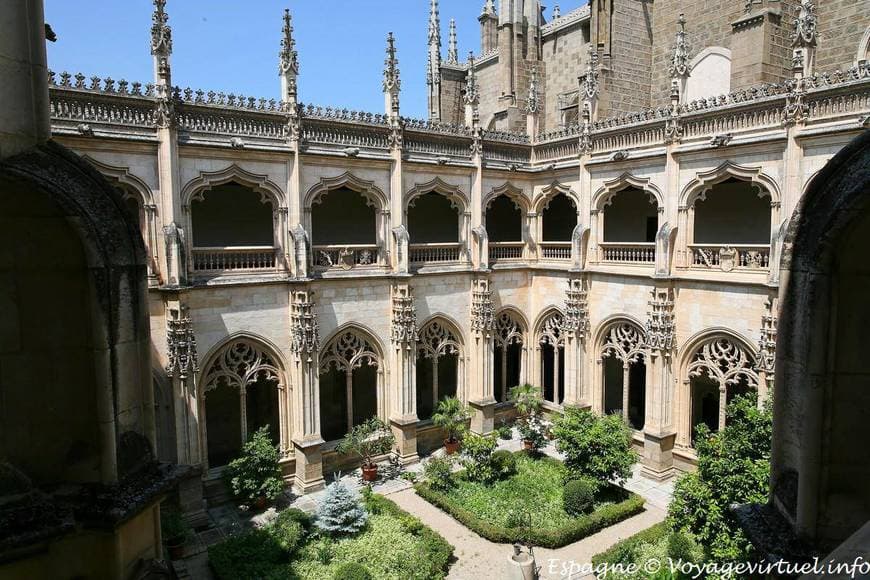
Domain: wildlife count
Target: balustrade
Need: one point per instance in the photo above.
(501, 251)
(556, 250)
(434, 253)
(628, 253)
(235, 259)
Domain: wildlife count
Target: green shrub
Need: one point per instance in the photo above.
(626, 551)
(681, 547)
(174, 529)
(439, 473)
(579, 496)
(288, 532)
(733, 468)
(505, 432)
(452, 415)
(296, 515)
(477, 453)
(575, 530)
(248, 556)
(352, 571)
(504, 464)
(256, 473)
(595, 447)
(367, 440)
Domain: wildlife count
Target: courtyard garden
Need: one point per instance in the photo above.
(531, 498)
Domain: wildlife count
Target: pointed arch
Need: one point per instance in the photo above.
(604, 196)
(351, 346)
(549, 192)
(863, 52)
(723, 354)
(196, 188)
(374, 196)
(698, 187)
(622, 337)
(125, 177)
(458, 199)
(447, 334)
(511, 326)
(510, 351)
(513, 193)
(254, 356)
(548, 328)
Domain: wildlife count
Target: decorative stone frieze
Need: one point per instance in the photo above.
(181, 354)
(765, 361)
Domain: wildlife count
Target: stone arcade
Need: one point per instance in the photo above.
(599, 205)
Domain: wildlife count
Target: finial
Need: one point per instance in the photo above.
(533, 100)
(452, 46)
(161, 32)
(472, 95)
(679, 66)
(391, 66)
(489, 8)
(805, 33)
(289, 58)
(434, 23)
(589, 79)
(557, 12)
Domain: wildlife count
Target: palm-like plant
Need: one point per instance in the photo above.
(452, 416)
(527, 399)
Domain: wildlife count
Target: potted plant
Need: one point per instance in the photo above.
(368, 440)
(529, 404)
(452, 416)
(255, 477)
(175, 532)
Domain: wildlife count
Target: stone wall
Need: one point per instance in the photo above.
(627, 84)
(842, 26)
(564, 56)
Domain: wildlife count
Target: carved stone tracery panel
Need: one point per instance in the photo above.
(348, 351)
(436, 340)
(240, 363)
(624, 342)
(507, 330)
(725, 361)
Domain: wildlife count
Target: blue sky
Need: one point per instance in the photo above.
(232, 46)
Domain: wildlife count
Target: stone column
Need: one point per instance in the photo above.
(24, 116)
(304, 379)
(481, 397)
(659, 428)
(576, 327)
(403, 378)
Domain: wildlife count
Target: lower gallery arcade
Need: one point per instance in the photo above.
(396, 353)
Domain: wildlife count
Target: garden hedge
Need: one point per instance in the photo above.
(647, 536)
(577, 529)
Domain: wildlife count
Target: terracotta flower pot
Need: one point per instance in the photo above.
(451, 446)
(260, 503)
(370, 473)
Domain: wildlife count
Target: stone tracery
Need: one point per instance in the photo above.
(240, 363)
(348, 351)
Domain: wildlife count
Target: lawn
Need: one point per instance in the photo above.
(393, 546)
(528, 505)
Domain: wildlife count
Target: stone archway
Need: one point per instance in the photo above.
(551, 357)
(439, 365)
(509, 354)
(623, 372)
(243, 389)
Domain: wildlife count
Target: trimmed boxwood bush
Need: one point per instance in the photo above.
(352, 571)
(253, 554)
(625, 552)
(576, 529)
(579, 496)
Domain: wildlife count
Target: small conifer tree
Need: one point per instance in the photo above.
(340, 512)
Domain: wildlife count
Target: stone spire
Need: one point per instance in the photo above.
(392, 82)
(433, 64)
(452, 45)
(679, 68)
(804, 39)
(589, 82)
(557, 12)
(161, 41)
(489, 8)
(288, 58)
